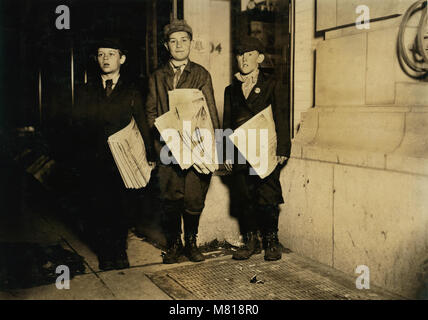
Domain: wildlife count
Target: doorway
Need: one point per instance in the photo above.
(43, 65)
(271, 21)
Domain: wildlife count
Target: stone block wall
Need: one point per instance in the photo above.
(356, 185)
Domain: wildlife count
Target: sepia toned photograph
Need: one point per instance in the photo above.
(214, 155)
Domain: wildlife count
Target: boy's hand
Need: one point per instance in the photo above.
(281, 159)
(228, 165)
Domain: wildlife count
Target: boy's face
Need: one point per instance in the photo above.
(178, 45)
(110, 60)
(249, 61)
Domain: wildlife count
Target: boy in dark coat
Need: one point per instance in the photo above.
(251, 92)
(183, 192)
(102, 108)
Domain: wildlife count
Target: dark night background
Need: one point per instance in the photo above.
(30, 42)
(31, 47)
(34, 53)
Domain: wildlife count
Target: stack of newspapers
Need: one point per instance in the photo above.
(129, 153)
(259, 143)
(188, 131)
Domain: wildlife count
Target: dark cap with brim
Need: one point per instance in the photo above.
(110, 42)
(177, 26)
(247, 44)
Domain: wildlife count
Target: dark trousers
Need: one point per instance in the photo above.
(105, 215)
(173, 212)
(256, 200)
(183, 194)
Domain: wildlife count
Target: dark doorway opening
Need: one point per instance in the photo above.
(269, 21)
(41, 65)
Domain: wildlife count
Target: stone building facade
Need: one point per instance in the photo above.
(357, 183)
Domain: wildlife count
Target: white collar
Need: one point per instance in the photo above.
(248, 77)
(181, 65)
(115, 78)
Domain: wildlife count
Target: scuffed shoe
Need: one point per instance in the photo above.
(273, 249)
(105, 262)
(191, 250)
(121, 261)
(251, 246)
(258, 247)
(173, 252)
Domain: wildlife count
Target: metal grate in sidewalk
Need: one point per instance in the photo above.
(292, 278)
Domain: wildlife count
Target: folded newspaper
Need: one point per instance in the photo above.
(129, 153)
(188, 131)
(256, 141)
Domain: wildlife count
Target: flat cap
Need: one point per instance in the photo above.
(247, 43)
(176, 26)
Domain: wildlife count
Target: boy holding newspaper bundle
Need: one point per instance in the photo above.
(183, 191)
(249, 95)
(103, 108)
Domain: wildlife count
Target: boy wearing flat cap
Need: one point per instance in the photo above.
(183, 192)
(102, 108)
(251, 92)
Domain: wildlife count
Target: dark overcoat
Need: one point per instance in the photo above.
(96, 117)
(237, 110)
(194, 76)
(174, 183)
(267, 91)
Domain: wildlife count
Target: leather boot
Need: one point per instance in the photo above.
(174, 250)
(120, 245)
(105, 250)
(191, 250)
(251, 246)
(273, 249)
(191, 224)
(258, 248)
(122, 261)
(121, 257)
(106, 261)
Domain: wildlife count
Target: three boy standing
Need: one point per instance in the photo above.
(108, 106)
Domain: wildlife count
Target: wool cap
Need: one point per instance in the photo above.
(247, 43)
(176, 26)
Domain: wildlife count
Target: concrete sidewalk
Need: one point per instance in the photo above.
(219, 277)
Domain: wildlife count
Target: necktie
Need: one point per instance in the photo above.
(109, 87)
(177, 75)
(247, 86)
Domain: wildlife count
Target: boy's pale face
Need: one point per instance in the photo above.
(249, 61)
(178, 45)
(110, 60)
